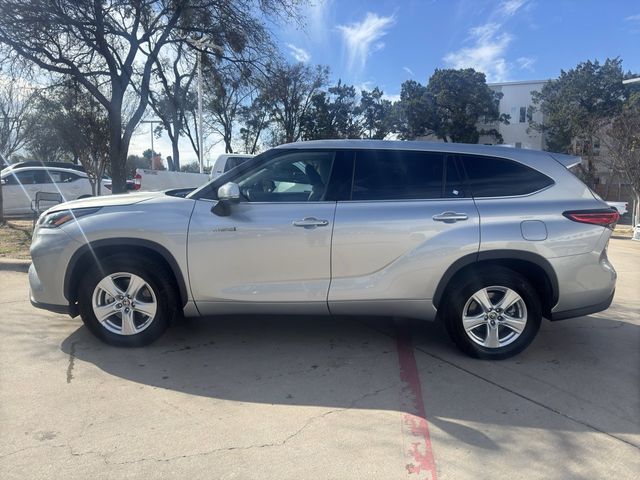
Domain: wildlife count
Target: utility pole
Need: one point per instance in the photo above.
(151, 122)
(202, 45)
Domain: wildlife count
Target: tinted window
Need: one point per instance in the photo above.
(293, 177)
(397, 175)
(233, 162)
(25, 177)
(497, 177)
(454, 185)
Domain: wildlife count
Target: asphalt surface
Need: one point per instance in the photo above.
(319, 398)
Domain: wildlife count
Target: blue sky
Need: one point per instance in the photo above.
(385, 42)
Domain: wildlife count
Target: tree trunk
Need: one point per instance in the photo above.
(174, 146)
(118, 150)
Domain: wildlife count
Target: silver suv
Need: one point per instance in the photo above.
(488, 239)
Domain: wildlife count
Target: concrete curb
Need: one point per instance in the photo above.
(14, 265)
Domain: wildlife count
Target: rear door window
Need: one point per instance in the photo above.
(398, 175)
(498, 177)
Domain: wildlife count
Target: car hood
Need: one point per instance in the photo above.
(107, 201)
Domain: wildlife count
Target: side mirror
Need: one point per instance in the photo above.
(227, 194)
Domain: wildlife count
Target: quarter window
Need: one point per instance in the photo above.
(498, 177)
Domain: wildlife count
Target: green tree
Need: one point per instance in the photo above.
(461, 99)
(69, 124)
(255, 119)
(413, 113)
(376, 114)
(576, 105)
(333, 114)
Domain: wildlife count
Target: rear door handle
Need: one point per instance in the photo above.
(450, 217)
(310, 222)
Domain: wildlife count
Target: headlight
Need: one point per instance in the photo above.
(56, 219)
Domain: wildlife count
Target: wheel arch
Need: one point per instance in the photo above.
(91, 253)
(532, 266)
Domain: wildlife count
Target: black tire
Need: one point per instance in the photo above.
(156, 278)
(461, 291)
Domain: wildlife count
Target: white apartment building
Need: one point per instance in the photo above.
(516, 102)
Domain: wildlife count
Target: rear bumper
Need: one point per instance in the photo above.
(582, 311)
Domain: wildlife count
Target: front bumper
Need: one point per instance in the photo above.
(50, 253)
(62, 309)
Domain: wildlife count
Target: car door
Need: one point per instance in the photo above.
(271, 254)
(408, 219)
(18, 190)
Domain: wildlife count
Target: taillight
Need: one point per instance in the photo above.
(605, 217)
(137, 181)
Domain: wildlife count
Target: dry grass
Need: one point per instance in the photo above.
(15, 238)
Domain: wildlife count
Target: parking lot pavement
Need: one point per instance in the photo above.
(316, 398)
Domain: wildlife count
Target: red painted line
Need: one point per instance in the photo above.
(415, 428)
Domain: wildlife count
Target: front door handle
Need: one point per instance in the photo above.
(450, 217)
(310, 222)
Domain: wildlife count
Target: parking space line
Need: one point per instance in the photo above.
(415, 428)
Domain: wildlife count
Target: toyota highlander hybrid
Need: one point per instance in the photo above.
(487, 239)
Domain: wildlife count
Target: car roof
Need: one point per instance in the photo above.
(49, 169)
(445, 147)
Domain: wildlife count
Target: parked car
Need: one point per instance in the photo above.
(227, 161)
(621, 207)
(20, 185)
(487, 239)
(73, 166)
(146, 180)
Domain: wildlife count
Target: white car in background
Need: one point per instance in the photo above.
(147, 180)
(20, 185)
(621, 207)
(227, 161)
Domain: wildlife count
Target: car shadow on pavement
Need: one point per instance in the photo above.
(344, 363)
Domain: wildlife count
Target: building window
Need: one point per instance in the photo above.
(523, 114)
(518, 144)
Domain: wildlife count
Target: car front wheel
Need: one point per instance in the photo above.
(494, 314)
(126, 302)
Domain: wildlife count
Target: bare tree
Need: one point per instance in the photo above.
(170, 99)
(622, 138)
(16, 101)
(110, 48)
(229, 87)
(289, 91)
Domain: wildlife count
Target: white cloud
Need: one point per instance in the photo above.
(393, 97)
(488, 43)
(317, 14)
(300, 54)
(633, 18)
(486, 54)
(511, 7)
(363, 38)
(526, 63)
(409, 71)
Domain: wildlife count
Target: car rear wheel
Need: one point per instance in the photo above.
(126, 302)
(494, 314)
